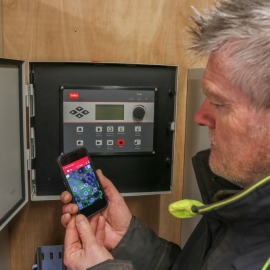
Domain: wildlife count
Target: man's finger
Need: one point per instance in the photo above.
(66, 197)
(107, 185)
(70, 208)
(65, 219)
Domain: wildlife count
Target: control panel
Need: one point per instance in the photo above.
(123, 113)
(108, 119)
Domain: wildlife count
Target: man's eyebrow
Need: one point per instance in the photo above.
(211, 94)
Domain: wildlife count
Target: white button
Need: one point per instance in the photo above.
(110, 129)
(79, 142)
(121, 129)
(137, 142)
(138, 128)
(79, 129)
(109, 142)
(98, 129)
(98, 142)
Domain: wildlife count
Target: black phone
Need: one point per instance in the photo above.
(81, 180)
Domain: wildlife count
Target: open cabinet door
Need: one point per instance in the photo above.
(13, 154)
(1, 32)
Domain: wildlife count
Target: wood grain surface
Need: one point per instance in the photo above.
(138, 31)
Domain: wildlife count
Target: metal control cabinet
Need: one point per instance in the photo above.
(124, 114)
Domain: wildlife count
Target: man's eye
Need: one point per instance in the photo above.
(216, 104)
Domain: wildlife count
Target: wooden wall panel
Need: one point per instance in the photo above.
(138, 31)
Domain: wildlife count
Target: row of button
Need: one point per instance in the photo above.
(110, 142)
(111, 129)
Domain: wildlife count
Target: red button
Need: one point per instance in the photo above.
(73, 95)
(121, 142)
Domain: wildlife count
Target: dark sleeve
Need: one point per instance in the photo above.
(141, 249)
(145, 249)
(113, 265)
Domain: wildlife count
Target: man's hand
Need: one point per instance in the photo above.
(82, 249)
(117, 214)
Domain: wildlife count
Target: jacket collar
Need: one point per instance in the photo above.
(251, 204)
(223, 200)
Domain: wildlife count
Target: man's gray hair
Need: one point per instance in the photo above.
(242, 27)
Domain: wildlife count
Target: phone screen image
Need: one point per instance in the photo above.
(83, 183)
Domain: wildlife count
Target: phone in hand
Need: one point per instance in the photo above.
(81, 180)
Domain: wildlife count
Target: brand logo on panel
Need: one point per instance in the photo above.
(73, 95)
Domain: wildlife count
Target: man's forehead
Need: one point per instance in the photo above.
(214, 81)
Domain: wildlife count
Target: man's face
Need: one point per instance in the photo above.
(240, 136)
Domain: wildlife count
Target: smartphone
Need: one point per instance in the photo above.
(81, 180)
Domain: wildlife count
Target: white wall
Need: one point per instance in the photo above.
(196, 140)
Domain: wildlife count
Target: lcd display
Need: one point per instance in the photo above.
(109, 112)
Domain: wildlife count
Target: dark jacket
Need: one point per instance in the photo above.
(234, 232)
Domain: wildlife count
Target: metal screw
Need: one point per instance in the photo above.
(156, 89)
(62, 87)
(168, 160)
(153, 152)
(171, 92)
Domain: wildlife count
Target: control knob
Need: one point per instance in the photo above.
(139, 112)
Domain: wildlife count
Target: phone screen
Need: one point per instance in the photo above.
(83, 182)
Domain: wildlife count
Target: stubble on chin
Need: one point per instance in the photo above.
(227, 170)
(247, 162)
(225, 165)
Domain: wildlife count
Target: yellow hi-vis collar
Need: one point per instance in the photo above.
(182, 209)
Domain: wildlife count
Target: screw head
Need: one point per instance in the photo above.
(169, 161)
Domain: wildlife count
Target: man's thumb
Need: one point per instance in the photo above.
(84, 229)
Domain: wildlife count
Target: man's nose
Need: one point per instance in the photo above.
(205, 115)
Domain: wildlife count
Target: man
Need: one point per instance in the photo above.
(234, 232)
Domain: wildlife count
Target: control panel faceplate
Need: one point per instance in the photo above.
(108, 120)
